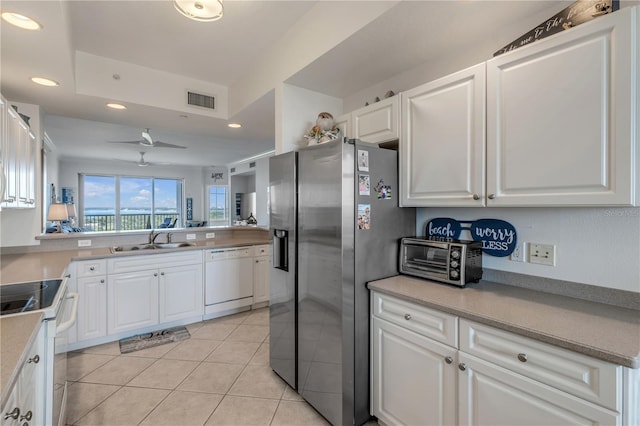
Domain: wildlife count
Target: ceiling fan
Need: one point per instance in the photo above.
(144, 163)
(149, 142)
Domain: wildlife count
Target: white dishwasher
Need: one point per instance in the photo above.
(228, 281)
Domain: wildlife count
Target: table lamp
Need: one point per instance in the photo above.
(58, 213)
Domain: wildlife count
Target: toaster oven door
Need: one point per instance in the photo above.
(425, 259)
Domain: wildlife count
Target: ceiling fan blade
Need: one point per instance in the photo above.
(134, 142)
(166, 145)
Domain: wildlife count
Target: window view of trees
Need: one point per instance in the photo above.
(113, 203)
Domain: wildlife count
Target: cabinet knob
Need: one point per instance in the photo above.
(476, 197)
(35, 360)
(162, 273)
(407, 316)
(101, 281)
(27, 416)
(155, 274)
(92, 268)
(12, 415)
(448, 360)
(522, 357)
(492, 196)
(462, 366)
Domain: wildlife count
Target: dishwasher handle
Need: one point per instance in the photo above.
(281, 249)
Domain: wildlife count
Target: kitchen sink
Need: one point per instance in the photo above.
(154, 246)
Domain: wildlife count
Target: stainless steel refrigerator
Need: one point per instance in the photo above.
(336, 225)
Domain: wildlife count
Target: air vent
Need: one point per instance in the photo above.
(233, 170)
(252, 164)
(200, 100)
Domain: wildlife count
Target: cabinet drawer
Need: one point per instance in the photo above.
(436, 325)
(588, 378)
(153, 261)
(263, 250)
(90, 268)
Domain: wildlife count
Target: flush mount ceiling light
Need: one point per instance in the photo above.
(44, 81)
(200, 10)
(21, 21)
(114, 105)
(234, 125)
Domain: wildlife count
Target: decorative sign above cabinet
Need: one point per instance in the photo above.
(578, 13)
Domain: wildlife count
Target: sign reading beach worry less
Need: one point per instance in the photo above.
(499, 238)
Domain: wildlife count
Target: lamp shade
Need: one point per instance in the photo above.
(200, 10)
(57, 211)
(71, 210)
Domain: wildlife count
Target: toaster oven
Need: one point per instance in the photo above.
(456, 262)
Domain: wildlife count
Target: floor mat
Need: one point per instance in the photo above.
(149, 340)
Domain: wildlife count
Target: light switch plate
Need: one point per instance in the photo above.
(210, 235)
(191, 236)
(542, 254)
(84, 243)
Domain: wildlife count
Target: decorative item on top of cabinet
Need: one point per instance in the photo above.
(562, 118)
(324, 130)
(442, 145)
(378, 122)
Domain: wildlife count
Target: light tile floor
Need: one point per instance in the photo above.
(220, 376)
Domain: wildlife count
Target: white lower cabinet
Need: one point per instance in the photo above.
(492, 377)
(414, 378)
(132, 301)
(261, 269)
(181, 294)
(92, 307)
(25, 404)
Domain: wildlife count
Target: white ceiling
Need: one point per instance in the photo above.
(152, 34)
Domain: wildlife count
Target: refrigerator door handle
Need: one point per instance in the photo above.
(280, 249)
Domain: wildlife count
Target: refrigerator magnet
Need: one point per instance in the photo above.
(364, 185)
(364, 216)
(383, 191)
(363, 160)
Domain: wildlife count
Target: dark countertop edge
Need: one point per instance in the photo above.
(535, 334)
(11, 381)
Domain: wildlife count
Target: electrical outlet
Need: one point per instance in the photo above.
(84, 243)
(191, 236)
(210, 235)
(542, 254)
(519, 254)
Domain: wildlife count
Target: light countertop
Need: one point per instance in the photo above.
(602, 331)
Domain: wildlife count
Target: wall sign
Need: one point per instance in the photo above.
(499, 238)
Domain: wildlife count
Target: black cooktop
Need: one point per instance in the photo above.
(25, 297)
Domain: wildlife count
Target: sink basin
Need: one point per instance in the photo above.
(154, 246)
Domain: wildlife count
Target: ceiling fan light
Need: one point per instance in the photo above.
(21, 21)
(200, 10)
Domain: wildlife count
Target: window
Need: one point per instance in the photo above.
(114, 203)
(218, 205)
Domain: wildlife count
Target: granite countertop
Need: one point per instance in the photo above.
(602, 331)
(17, 333)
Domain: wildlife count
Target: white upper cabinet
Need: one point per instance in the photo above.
(344, 124)
(562, 118)
(378, 122)
(442, 147)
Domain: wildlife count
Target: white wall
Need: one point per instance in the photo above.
(296, 112)
(193, 176)
(596, 246)
(19, 227)
(262, 191)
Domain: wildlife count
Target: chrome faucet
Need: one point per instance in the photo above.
(152, 236)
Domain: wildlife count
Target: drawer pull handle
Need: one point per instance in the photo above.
(462, 366)
(12, 415)
(27, 416)
(522, 357)
(92, 268)
(407, 316)
(448, 360)
(35, 360)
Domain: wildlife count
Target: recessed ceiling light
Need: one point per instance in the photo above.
(234, 125)
(21, 21)
(44, 81)
(114, 105)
